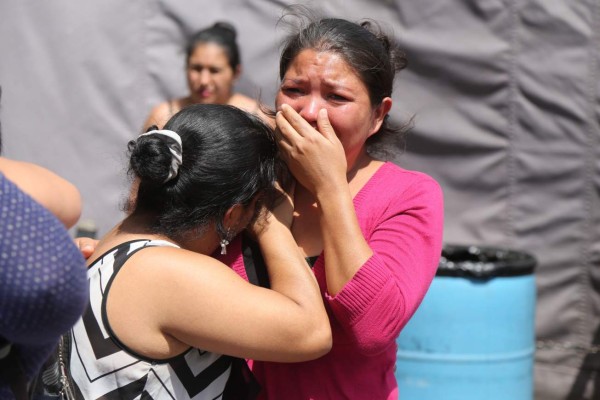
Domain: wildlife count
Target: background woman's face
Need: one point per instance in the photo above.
(209, 75)
(316, 80)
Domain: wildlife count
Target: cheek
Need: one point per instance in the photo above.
(339, 121)
(279, 100)
(296, 104)
(225, 78)
(194, 78)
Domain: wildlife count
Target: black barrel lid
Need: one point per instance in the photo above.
(484, 262)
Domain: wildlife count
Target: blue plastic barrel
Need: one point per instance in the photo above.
(473, 337)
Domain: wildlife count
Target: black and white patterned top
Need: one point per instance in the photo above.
(102, 367)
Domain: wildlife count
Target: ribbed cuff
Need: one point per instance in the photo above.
(352, 301)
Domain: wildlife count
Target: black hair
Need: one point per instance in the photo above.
(220, 33)
(228, 157)
(367, 49)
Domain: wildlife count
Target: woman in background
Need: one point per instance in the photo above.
(213, 65)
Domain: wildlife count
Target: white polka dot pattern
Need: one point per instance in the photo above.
(43, 287)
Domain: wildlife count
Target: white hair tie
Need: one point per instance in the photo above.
(174, 148)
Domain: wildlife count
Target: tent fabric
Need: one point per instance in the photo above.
(504, 97)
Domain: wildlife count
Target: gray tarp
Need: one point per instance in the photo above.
(504, 93)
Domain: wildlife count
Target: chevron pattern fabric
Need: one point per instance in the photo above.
(104, 368)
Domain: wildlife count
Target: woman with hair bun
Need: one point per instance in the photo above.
(213, 64)
(166, 320)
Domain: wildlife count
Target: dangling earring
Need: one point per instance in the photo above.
(225, 241)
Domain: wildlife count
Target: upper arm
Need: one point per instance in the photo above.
(406, 242)
(55, 193)
(204, 304)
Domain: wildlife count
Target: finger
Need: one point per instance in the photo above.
(299, 124)
(86, 246)
(286, 135)
(284, 146)
(284, 130)
(324, 125)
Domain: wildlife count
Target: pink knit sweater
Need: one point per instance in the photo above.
(400, 213)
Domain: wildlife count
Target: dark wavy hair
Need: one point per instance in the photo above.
(229, 157)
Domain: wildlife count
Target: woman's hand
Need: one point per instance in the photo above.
(284, 210)
(86, 245)
(315, 157)
(282, 213)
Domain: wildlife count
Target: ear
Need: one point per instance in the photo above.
(237, 217)
(237, 72)
(232, 217)
(379, 114)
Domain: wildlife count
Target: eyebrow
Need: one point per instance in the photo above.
(327, 83)
(294, 80)
(333, 85)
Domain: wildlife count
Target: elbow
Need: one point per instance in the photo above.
(323, 341)
(316, 343)
(72, 206)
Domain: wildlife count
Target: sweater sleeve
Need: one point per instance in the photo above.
(404, 230)
(43, 284)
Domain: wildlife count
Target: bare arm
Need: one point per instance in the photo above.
(170, 293)
(50, 190)
(202, 303)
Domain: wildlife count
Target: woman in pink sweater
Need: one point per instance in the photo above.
(372, 230)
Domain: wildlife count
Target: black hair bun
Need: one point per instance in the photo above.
(226, 27)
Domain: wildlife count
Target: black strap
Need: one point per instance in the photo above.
(242, 385)
(254, 262)
(11, 370)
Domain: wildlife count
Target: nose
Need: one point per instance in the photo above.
(310, 109)
(204, 77)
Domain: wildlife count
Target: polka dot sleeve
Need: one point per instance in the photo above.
(43, 288)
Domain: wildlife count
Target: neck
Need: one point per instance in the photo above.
(361, 162)
(202, 241)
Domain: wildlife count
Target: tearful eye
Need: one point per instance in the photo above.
(337, 97)
(290, 90)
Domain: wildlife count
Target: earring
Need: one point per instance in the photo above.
(224, 243)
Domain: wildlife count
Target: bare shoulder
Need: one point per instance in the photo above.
(244, 102)
(157, 291)
(160, 114)
(252, 106)
(179, 267)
